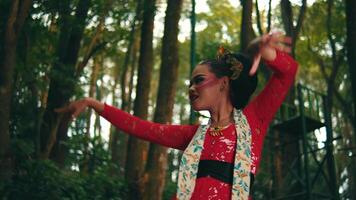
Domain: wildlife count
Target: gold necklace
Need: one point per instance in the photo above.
(217, 130)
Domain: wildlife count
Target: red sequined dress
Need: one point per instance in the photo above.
(259, 113)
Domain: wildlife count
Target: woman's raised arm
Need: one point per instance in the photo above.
(284, 68)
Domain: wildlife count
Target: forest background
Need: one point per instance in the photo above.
(138, 56)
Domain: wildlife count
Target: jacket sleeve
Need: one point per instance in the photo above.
(261, 110)
(174, 136)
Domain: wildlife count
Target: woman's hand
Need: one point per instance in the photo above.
(265, 47)
(77, 107)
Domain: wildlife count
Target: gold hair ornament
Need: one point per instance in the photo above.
(236, 66)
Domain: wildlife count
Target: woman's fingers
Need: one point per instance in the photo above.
(77, 112)
(280, 38)
(255, 64)
(280, 47)
(62, 109)
(287, 49)
(74, 108)
(274, 40)
(281, 43)
(287, 40)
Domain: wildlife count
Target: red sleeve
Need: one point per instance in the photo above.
(261, 110)
(174, 136)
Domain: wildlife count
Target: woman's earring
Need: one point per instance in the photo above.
(221, 88)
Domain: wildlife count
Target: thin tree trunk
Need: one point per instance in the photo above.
(18, 13)
(133, 73)
(288, 20)
(99, 96)
(258, 18)
(119, 151)
(157, 157)
(92, 92)
(118, 138)
(331, 81)
(93, 45)
(265, 72)
(137, 149)
(292, 30)
(351, 54)
(92, 88)
(351, 58)
(247, 33)
(128, 56)
(287, 17)
(269, 16)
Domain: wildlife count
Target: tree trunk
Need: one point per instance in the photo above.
(351, 58)
(351, 52)
(137, 149)
(258, 19)
(62, 80)
(246, 34)
(119, 151)
(287, 17)
(331, 82)
(269, 16)
(119, 139)
(133, 73)
(92, 92)
(288, 20)
(18, 13)
(157, 157)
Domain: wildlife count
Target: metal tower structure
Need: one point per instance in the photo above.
(302, 167)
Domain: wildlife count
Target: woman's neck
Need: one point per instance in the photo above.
(221, 115)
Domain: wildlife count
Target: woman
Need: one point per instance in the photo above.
(220, 159)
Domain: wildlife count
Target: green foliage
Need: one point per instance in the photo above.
(169, 190)
(314, 46)
(222, 28)
(36, 179)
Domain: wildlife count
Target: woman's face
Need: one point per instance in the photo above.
(204, 89)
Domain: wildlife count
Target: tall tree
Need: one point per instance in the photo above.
(258, 18)
(288, 20)
(92, 93)
(351, 58)
(137, 149)
(17, 15)
(247, 33)
(157, 156)
(59, 151)
(351, 49)
(118, 140)
(337, 59)
(63, 73)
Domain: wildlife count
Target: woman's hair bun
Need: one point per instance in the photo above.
(243, 87)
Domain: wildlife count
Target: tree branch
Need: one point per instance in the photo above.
(344, 105)
(92, 48)
(258, 16)
(301, 16)
(269, 16)
(319, 60)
